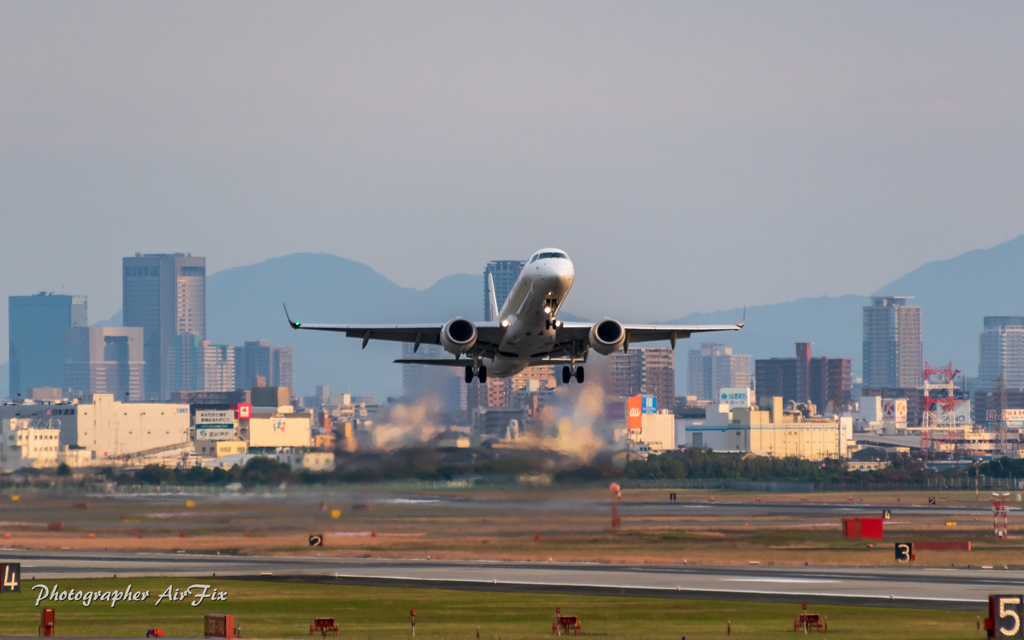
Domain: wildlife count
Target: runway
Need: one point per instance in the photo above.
(909, 587)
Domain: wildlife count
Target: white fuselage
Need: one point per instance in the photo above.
(532, 304)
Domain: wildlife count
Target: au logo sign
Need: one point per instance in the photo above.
(634, 413)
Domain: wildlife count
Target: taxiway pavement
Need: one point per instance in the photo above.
(904, 586)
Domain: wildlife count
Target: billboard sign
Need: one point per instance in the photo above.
(960, 415)
(206, 416)
(894, 409)
(1010, 424)
(243, 411)
(736, 398)
(634, 413)
(1008, 414)
(214, 432)
(650, 404)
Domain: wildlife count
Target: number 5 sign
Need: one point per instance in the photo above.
(12, 577)
(1004, 617)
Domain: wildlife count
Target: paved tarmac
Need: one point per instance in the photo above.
(905, 586)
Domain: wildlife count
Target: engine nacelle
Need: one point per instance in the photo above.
(458, 336)
(607, 336)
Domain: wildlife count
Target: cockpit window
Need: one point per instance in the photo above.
(551, 254)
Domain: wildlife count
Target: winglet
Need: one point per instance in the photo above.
(294, 325)
(492, 298)
(744, 321)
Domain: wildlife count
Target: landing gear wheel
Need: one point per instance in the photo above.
(482, 375)
(579, 375)
(469, 375)
(566, 375)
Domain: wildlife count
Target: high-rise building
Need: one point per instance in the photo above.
(824, 382)
(165, 294)
(1002, 351)
(104, 360)
(647, 371)
(504, 273)
(36, 326)
(258, 359)
(193, 364)
(834, 389)
(892, 343)
(516, 392)
(713, 367)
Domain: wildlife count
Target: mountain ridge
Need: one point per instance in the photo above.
(244, 303)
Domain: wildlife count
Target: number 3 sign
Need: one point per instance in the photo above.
(1004, 617)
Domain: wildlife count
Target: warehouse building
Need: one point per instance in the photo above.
(111, 429)
(773, 431)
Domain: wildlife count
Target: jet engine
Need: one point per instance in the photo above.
(607, 336)
(458, 336)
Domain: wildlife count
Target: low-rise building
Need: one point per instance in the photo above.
(74, 456)
(277, 429)
(25, 445)
(220, 448)
(309, 460)
(657, 431)
(711, 432)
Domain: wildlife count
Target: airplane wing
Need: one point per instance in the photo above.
(577, 332)
(488, 333)
(571, 336)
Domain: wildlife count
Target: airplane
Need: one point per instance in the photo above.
(525, 331)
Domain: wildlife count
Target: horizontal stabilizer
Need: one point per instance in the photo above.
(445, 362)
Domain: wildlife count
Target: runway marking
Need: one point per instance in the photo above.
(795, 580)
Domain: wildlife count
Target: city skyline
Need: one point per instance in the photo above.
(269, 324)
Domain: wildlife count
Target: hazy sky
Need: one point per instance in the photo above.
(688, 156)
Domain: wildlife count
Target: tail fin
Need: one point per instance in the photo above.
(492, 299)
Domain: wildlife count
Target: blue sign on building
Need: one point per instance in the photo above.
(650, 404)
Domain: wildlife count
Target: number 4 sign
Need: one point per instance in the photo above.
(12, 577)
(1004, 617)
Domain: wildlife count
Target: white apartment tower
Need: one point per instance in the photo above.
(892, 343)
(1002, 351)
(713, 367)
(504, 273)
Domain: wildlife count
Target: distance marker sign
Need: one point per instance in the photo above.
(1005, 614)
(11, 572)
(904, 551)
(316, 540)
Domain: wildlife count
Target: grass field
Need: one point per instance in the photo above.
(280, 610)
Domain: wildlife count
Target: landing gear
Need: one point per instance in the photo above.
(481, 375)
(469, 375)
(568, 375)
